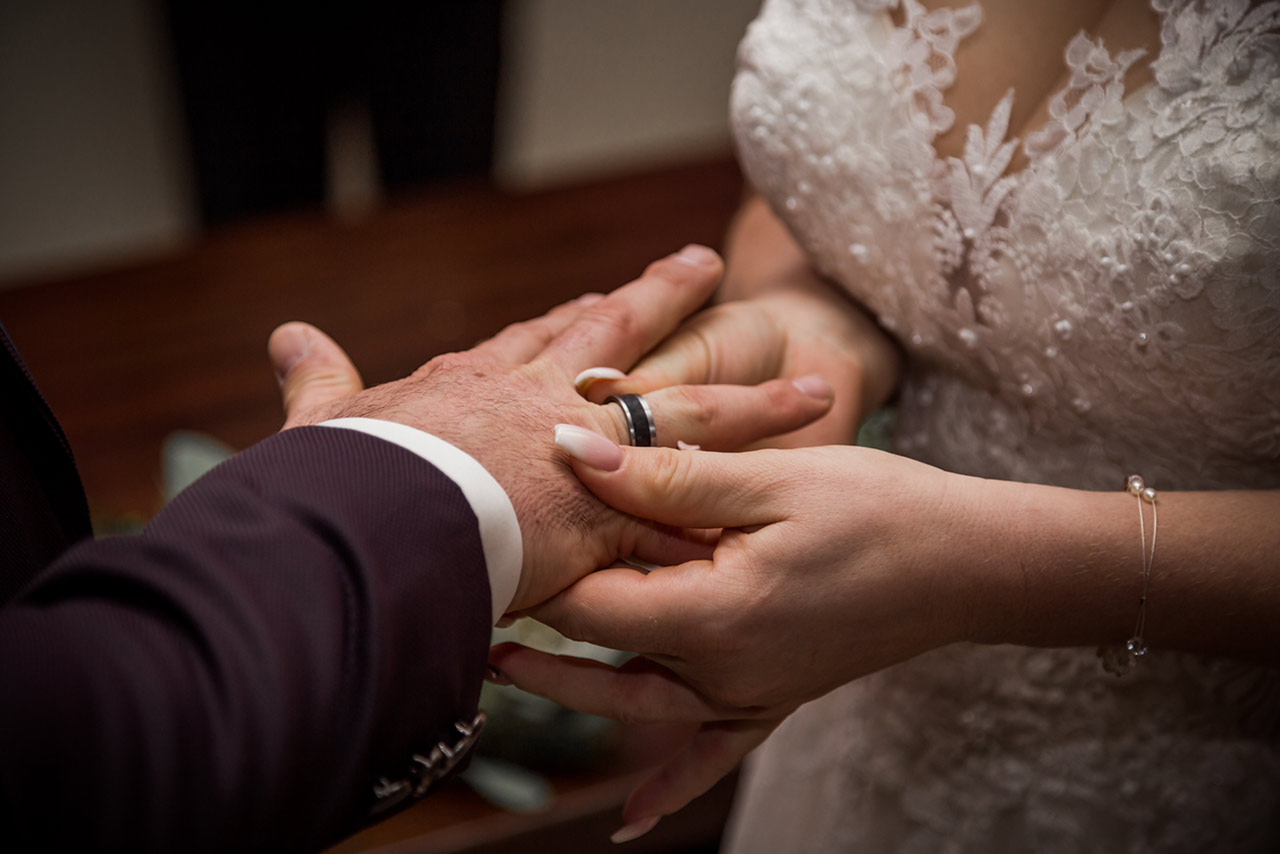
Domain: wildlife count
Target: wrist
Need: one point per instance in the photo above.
(1058, 572)
(970, 543)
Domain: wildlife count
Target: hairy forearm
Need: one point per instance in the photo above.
(764, 262)
(1065, 567)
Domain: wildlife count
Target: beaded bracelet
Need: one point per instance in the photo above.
(1117, 658)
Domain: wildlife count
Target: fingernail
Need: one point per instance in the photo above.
(297, 346)
(589, 299)
(496, 676)
(686, 446)
(814, 386)
(589, 447)
(698, 256)
(634, 830)
(584, 380)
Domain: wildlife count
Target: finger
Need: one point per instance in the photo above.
(626, 324)
(730, 344)
(688, 489)
(714, 751)
(628, 609)
(638, 692)
(729, 417)
(518, 343)
(667, 545)
(313, 370)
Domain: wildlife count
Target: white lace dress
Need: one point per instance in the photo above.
(1112, 308)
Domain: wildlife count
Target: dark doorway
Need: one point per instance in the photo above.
(258, 80)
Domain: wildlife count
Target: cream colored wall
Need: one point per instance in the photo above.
(93, 165)
(92, 159)
(597, 86)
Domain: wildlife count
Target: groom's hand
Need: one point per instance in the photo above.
(500, 401)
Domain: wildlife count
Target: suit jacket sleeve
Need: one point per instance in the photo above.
(291, 627)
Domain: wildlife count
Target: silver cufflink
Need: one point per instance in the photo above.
(425, 770)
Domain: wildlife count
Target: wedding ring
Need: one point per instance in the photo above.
(640, 426)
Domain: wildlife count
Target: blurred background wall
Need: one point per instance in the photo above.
(128, 126)
(93, 164)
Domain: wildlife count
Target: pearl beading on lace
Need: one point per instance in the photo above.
(1118, 659)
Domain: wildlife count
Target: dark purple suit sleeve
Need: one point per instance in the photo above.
(291, 627)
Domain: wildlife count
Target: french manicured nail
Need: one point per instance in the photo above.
(589, 447)
(634, 830)
(686, 446)
(584, 380)
(589, 299)
(814, 386)
(496, 676)
(696, 255)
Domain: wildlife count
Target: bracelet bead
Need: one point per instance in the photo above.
(1118, 659)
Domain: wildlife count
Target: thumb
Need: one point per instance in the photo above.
(687, 489)
(312, 369)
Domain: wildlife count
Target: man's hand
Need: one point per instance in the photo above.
(500, 401)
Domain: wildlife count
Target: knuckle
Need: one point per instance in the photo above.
(617, 320)
(625, 713)
(632, 708)
(708, 408)
(445, 364)
(534, 331)
(695, 407)
(518, 328)
(635, 703)
(672, 475)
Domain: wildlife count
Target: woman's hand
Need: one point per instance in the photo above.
(780, 336)
(829, 567)
(778, 319)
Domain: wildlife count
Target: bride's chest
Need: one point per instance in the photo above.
(1136, 254)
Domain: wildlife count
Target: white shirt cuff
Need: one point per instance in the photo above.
(499, 528)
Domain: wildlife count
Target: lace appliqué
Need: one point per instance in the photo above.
(927, 44)
(971, 194)
(1141, 236)
(1096, 92)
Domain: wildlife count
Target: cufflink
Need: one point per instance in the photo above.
(425, 770)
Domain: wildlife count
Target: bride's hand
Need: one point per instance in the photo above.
(778, 319)
(747, 342)
(828, 568)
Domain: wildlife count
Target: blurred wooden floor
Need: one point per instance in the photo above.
(128, 355)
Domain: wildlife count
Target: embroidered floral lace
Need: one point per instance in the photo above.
(1113, 307)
